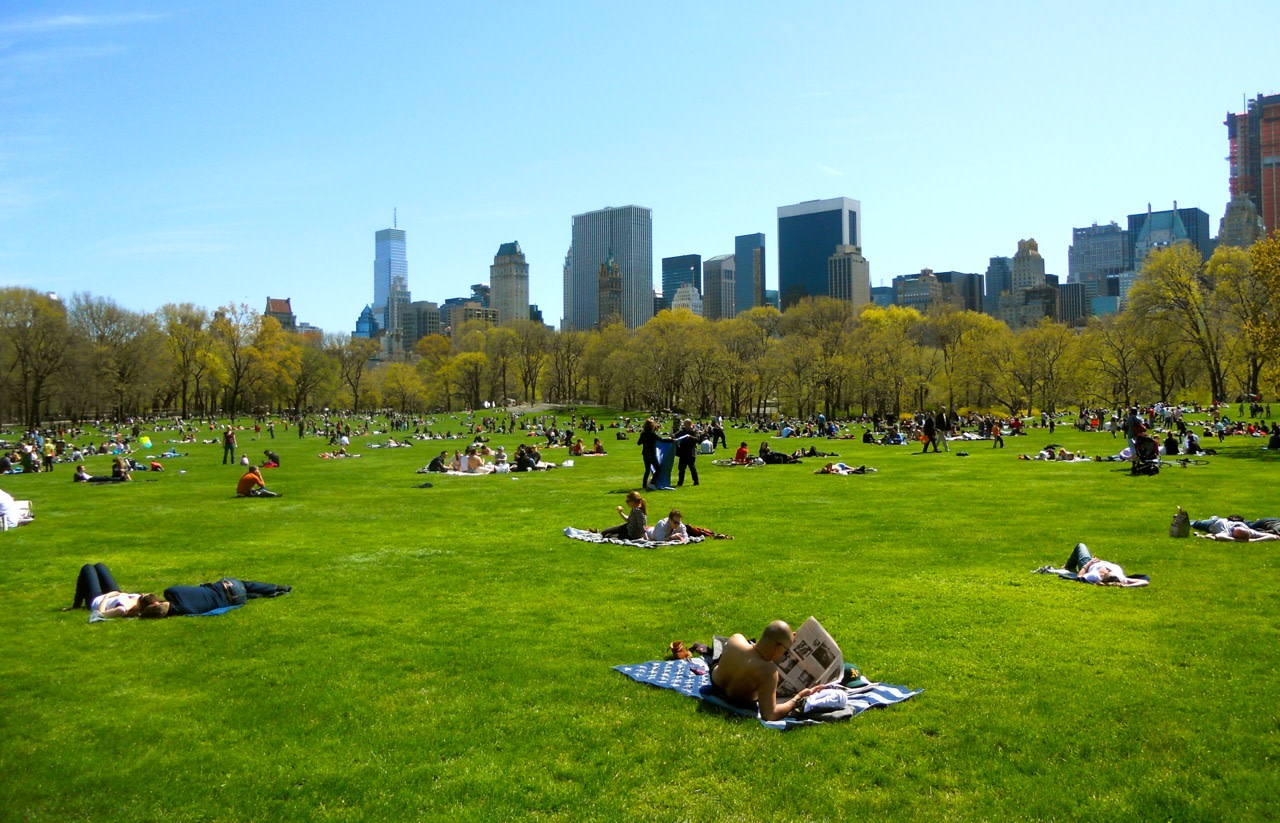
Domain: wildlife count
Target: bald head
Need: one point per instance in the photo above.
(777, 633)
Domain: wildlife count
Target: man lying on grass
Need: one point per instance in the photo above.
(747, 673)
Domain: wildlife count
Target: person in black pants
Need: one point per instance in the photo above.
(687, 450)
(228, 446)
(930, 434)
(648, 443)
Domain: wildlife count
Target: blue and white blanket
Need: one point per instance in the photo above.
(692, 679)
(592, 537)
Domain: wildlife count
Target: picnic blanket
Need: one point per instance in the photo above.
(1134, 580)
(692, 679)
(592, 537)
(95, 617)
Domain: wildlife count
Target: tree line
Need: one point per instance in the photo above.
(1190, 328)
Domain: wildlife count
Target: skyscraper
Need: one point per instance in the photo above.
(679, 271)
(1150, 230)
(509, 283)
(1096, 253)
(749, 272)
(808, 234)
(1241, 225)
(718, 275)
(999, 280)
(849, 276)
(626, 234)
(1254, 140)
(390, 268)
(609, 293)
(1028, 266)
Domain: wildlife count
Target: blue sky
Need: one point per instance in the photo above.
(226, 151)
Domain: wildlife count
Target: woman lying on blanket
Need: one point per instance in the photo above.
(1090, 569)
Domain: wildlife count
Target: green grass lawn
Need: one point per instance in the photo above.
(447, 652)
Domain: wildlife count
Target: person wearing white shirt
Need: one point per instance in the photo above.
(671, 528)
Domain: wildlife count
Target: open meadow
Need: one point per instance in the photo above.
(447, 652)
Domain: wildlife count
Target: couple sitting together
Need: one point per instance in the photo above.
(635, 525)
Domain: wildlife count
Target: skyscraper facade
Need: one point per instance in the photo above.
(390, 268)
(680, 271)
(849, 276)
(609, 293)
(749, 272)
(1254, 140)
(509, 283)
(1241, 225)
(1155, 229)
(1096, 252)
(718, 280)
(626, 234)
(1028, 266)
(808, 234)
(999, 280)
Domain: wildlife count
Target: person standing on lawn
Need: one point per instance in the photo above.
(228, 446)
(687, 451)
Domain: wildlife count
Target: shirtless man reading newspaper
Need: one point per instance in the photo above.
(748, 672)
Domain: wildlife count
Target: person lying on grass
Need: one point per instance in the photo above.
(841, 468)
(672, 528)
(97, 591)
(1240, 533)
(1090, 569)
(1225, 525)
(746, 673)
(209, 597)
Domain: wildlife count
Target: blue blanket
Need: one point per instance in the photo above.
(691, 678)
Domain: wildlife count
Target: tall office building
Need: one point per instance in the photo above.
(1028, 266)
(965, 289)
(609, 293)
(718, 278)
(509, 283)
(749, 272)
(1156, 229)
(999, 280)
(390, 268)
(625, 234)
(928, 289)
(849, 276)
(1241, 225)
(687, 297)
(808, 234)
(1096, 253)
(680, 271)
(1073, 307)
(1254, 140)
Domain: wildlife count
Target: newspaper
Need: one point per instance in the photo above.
(813, 660)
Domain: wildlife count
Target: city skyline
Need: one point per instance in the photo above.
(224, 153)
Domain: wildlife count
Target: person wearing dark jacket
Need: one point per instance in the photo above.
(687, 451)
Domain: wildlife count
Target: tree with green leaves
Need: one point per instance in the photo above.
(35, 341)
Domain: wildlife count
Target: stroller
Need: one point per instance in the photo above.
(1146, 456)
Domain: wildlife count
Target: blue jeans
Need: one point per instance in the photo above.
(1079, 558)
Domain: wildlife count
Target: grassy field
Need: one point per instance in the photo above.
(447, 652)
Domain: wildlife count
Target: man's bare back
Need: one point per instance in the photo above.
(747, 672)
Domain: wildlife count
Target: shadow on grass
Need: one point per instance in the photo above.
(1239, 454)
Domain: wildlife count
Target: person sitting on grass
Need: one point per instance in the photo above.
(120, 470)
(273, 459)
(742, 456)
(635, 517)
(746, 673)
(252, 485)
(597, 447)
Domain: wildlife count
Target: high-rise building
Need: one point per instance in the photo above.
(366, 324)
(1096, 253)
(282, 311)
(1028, 266)
(390, 268)
(1156, 229)
(882, 295)
(1073, 307)
(1254, 140)
(465, 310)
(808, 234)
(609, 293)
(749, 272)
(1241, 226)
(999, 281)
(920, 291)
(965, 289)
(718, 280)
(679, 271)
(687, 297)
(849, 276)
(509, 283)
(624, 234)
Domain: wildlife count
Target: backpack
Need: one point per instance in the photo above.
(1181, 525)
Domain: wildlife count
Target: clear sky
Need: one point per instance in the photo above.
(226, 151)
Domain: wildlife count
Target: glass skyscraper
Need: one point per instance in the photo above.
(808, 234)
(748, 252)
(626, 234)
(390, 274)
(680, 271)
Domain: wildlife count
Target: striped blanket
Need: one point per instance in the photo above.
(592, 537)
(692, 679)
